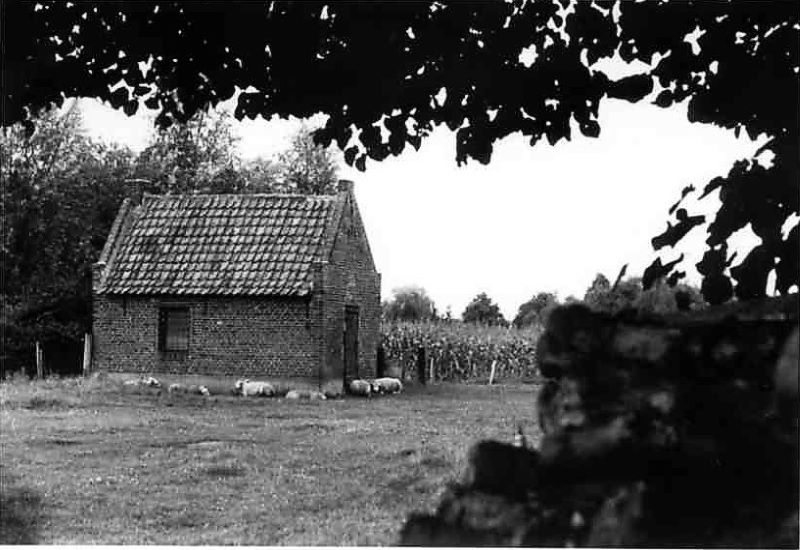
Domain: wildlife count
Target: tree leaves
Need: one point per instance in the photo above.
(788, 268)
(664, 99)
(675, 233)
(630, 294)
(308, 168)
(751, 275)
(368, 64)
(716, 287)
(186, 158)
(410, 303)
(656, 271)
(536, 310)
(61, 192)
(631, 88)
(482, 310)
(684, 192)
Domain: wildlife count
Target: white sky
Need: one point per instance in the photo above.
(535, 219)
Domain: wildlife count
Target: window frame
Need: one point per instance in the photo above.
(163, 329)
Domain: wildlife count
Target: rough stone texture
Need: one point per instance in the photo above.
(659, 432)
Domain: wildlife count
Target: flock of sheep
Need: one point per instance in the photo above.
(249, 388)
(380, 386)
(152, 382)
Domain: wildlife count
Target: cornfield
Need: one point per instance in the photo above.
(460, 352)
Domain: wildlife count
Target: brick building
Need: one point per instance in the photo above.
(268, 286)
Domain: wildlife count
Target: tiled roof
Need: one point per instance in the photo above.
(221, 244)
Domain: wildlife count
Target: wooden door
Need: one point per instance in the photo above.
(350, 370)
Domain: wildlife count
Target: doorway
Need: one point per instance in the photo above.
(350, 370)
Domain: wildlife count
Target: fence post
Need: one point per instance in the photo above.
(87, 353)
(421, 365)
(491, 374)
(380, 371)
(39, 361)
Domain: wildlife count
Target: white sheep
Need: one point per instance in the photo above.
(193, 389)
(149, 381)
(387, 385)
(177, 388)
(254, 389)
(360, 387)
(312, 395)
(317, 396)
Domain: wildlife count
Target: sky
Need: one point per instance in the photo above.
(543, 218)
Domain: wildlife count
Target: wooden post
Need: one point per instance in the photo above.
(491, 374)
(87, 353)
(39, 361)
(380, 369)
(421, 365)
(430, 372)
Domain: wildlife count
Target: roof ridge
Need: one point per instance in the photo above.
(240, 195)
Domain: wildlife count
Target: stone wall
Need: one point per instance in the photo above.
(660, 432)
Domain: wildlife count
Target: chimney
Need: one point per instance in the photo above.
(345, 186)
(98, 272)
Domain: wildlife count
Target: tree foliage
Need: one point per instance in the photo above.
(410, 303)
(536, 310)
(307, 168)
(482, 310)
(61, 193)
(198, 155)
(387, 73)
(631, 294)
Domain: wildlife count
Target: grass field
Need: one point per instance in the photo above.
(84, 462)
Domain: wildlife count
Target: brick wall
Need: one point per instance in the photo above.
(230, 336)
(349, 278)
(286, 338)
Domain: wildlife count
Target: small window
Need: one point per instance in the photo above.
(173, 329)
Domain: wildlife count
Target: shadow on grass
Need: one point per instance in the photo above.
(20, 513)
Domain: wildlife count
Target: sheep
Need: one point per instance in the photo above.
(312, 395)
(360, 387)
(192, 389)
(293, 394)
(387, 385)
(254, 389)
(149, 381)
